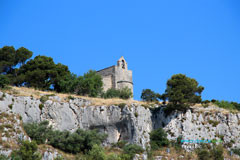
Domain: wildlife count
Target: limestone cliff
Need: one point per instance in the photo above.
(127, 122)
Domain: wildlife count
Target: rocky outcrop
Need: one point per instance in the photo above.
(131, 123)
(210, 124)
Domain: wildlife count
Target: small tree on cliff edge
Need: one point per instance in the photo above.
(149, 96)
(181, 92)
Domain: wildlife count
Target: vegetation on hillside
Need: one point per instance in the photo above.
(181, 92)
(158, 139)
(84, 144)
(124, 93)
(18, 69)
(79, 141)
(149, 96)
(27, 151)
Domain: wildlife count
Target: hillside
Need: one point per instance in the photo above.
(121, 120)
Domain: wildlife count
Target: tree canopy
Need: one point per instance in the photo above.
(16, 68)
(149, 96)
(182, 91)
(9, 58)
(90, 84)
(41, 72)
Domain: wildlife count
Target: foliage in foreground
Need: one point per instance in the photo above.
(124, 93)
(79, 141)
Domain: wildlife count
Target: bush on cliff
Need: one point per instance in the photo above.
(158, 139)
(89, 84)
(38, 131)
(27, 151)
(79, 141)
(215, 152)
(227, 105)
(149, 96)
(132, 149)
(124, 93)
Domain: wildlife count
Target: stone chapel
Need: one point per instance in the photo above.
(117, 76)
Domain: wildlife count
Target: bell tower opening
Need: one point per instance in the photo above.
(123, 64)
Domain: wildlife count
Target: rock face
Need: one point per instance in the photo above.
(210, 124)
(130, 123)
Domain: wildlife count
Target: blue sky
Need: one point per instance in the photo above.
(159, 38)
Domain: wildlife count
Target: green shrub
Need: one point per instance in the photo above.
(122, 105)
(79, 141)
(213, 100)
(206, 101)
(113, 156)
(211, 153)
(120, 144)
(203, 154)
(124, 93)
(236, 151)
(71, 97)
(43, 99)
(10, 106)
(27, 151)
(41, 106)
(225, 104)
(214, 123)
(217, 152)
(59, 158)
(96, 153)
(158, 138)
(177, 144)
(3, 157)
(38, 132)
(4, 81)
(132, 149)
(111, 93)
(89, 84)
(136, 114)
(178, 107)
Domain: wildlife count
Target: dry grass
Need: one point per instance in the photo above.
(30, 92)
(212, 109)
